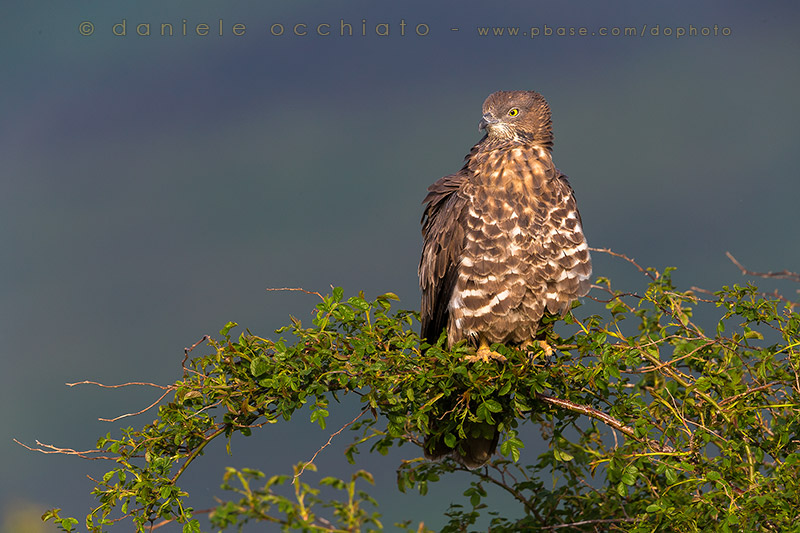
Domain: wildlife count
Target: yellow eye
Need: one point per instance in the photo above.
(513, 112)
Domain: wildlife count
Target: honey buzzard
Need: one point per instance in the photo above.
(503, 244)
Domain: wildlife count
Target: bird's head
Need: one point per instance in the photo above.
(517, 115)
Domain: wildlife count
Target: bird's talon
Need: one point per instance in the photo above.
(485, 354)
(548, 351)
(533, 353)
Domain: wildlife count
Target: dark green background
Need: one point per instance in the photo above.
(152, 187)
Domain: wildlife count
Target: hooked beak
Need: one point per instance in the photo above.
(487, 120)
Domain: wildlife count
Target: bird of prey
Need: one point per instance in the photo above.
(503, 244)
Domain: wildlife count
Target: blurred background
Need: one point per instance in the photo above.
(153, 187)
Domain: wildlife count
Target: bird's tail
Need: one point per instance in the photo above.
(473, 451)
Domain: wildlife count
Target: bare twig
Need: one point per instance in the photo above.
(166, 388)
(126, 415)
(694, 298)
(169, 521)
(197, 451)
(704, 291)
(628, 259)
(748, 391)
(784, 299)
(189, 349)
(783, 274)
(49, 448)
(588, 523)
(211, 406)
(619, 297)
(295, 289)
(673, 361)
(330, 439)
(505, 486)
(129, 384)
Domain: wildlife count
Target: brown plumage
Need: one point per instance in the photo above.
(503, 244)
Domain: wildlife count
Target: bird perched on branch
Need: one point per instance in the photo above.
(503, 244)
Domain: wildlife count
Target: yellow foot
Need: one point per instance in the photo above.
(528, 347)
(485, 354)
(548, 351)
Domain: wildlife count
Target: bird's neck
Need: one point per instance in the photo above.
(497, 150)
(512, 166)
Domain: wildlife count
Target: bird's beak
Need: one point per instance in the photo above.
(487, 120)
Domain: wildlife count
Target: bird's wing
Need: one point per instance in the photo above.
(443, 242)
(565, 249)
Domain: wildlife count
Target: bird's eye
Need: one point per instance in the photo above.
(513, 112)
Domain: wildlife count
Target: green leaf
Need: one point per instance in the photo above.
(629, 475)
(562, 456)
(475, 499)
(358, 303)
(259, 366)
(192, 526)
(389, 296)
(493, 406)
(68, 524)
(227, 328)
(319, 415)
(338, 294)
(511, 446)
(713, 418)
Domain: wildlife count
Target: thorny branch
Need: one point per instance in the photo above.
(603, 417)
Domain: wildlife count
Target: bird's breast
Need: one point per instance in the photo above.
(514, 171)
